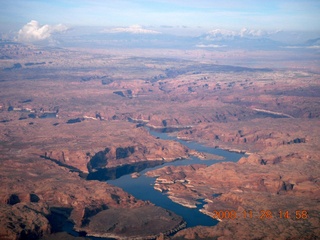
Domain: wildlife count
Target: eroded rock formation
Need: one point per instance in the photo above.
(272, 113)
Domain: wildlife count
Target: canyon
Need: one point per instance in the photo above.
(70, 119)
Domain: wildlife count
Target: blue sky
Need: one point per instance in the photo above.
(293, 15)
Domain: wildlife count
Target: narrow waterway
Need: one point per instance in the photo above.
(142, 187)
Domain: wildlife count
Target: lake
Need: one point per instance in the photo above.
(142, 187)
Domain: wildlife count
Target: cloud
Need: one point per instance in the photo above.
(222, 34)
(306, 47)
(219, 35)
(135, 29)
(244, 32)
(32, 31)
(210, 46)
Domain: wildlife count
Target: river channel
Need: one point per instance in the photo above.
(142, 187)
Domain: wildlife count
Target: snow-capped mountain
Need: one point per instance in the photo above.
(245, 38)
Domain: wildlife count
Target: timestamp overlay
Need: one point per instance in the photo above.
(264, 214)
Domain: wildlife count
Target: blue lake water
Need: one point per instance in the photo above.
(142, 187)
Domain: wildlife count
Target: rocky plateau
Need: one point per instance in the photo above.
(72, 118)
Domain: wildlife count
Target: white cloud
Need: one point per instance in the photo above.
(222, 34)
(244, 32)
(307, 47)
(135, 29)
(210, 46)
(32, 31)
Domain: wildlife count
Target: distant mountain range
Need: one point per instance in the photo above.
(222, 39)
(211, 40)
(130, 40)
(218, 39)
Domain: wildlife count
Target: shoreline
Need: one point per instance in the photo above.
(232, 150)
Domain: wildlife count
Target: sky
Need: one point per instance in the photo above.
(269, 15)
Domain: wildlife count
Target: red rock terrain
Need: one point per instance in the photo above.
(44, 162)
(120, 142)
(282, 175)
(62, 121)
(37, 195)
